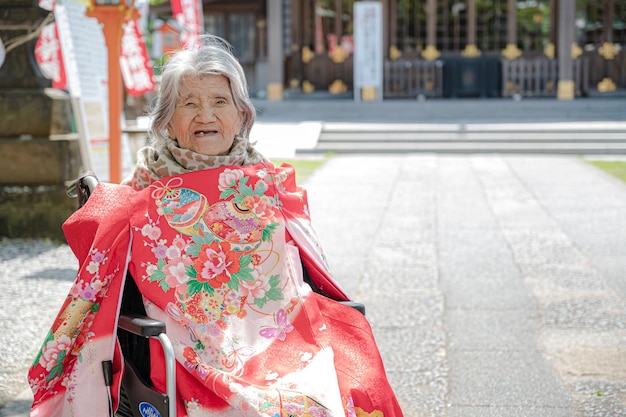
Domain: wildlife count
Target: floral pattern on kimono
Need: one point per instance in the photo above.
(216, 255)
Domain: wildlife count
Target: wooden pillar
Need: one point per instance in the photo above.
(296, 74)
(549, 50)
(430, 53)
(608, 50)
(390, 29)
(319, 33)
(470, 48)
(567, 14)
(338, 17)
(337, 54)
(308, 20)
(511, 51)
(275, 49)
(608, 17)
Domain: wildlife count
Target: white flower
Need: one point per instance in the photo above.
(229, 178)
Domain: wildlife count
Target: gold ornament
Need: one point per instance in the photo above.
(307, 87)
(338, 87)
(307, 54)
(511, 52)
(430, 53)
(471, 51)
(338, 54)
(576, 51)
(606, 85)
(608, 51)
(394, 53)
(549, 50)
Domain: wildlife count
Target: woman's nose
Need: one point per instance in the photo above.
(206, 113)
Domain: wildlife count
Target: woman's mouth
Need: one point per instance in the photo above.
(205, 132)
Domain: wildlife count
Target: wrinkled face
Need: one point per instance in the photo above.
(205, 119)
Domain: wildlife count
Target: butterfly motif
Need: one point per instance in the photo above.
(282, 327)
(193, 363)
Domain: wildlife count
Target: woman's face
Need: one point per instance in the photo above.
(205, 119)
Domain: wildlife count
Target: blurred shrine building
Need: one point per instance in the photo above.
(431, 48)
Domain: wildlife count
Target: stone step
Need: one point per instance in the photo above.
(570, 138)
(469, 147)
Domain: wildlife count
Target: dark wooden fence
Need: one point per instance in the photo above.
(600, 68)
(322, 71)
(447, 77)
(538, 77)
(404, 78)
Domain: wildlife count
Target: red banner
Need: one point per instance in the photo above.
(49, 56)
(135, 63)
(188, 14)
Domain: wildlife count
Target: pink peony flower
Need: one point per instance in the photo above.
(229, 178)
(50, 355)
(255, 288)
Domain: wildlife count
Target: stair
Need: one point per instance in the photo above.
(559, 138)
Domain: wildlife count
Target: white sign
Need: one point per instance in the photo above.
(368, 50)
(85, 58)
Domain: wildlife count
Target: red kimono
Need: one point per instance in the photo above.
(217, 256)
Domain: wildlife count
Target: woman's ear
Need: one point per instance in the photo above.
(242, 122)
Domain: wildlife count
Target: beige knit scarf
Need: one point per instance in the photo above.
(154, 163)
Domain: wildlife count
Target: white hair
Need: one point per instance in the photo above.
(209, 55)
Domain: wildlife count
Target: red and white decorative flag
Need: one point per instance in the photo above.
(134, 62)
(188, 14)
(50, 57)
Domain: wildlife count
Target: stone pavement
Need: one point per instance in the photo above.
(494, 284)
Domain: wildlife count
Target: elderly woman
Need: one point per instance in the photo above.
(215, 238)
(203, 116)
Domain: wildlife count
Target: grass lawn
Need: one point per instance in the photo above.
(303, 167)
(616, 168)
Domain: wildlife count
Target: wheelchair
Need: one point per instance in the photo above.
(138, 397)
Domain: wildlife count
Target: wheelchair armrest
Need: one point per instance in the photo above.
(82, 187)
(358, 306)
(141, 325)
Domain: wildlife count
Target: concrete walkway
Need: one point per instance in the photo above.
(494, 284)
